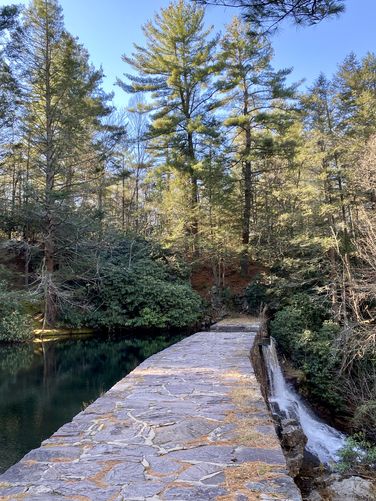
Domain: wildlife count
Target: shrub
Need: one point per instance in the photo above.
(358, 456)
(15, 324)
(308, 340)
(286, 326)
(321, 366)
(256, 295)
(16, 327)
(139, 287)
(313, 309)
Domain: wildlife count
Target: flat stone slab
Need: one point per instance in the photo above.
(237, 324)
(188, 424)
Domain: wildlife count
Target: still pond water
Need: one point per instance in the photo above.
(42, 386)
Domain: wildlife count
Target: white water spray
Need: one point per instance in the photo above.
(324, 441)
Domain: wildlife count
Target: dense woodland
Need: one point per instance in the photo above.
(218, 163)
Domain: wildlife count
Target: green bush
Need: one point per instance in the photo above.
(15, 324)
(139, 287)
(313, 309)
(321, 366)
(308, 339)
(358, 456)
(16, 327)
(141, 299)
(256, 295)
(285, 328)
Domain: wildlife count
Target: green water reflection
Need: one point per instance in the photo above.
(42, 386)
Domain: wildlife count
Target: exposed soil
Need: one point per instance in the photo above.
(12, 267)
(203, 280)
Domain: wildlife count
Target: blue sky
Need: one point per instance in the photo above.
(109, 28)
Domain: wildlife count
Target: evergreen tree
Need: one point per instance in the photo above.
(176, 68)
(256, 96)
(9, 117)
(356, 97)
(62, 107)
(9, 89)
(272, 12)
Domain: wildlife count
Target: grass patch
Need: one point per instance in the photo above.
(238, 476)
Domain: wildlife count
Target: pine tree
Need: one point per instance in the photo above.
(176, 67)
(355, 86)
(9, 89)
(9, 119)
(256, 96)
(62, 107)
(273, 12)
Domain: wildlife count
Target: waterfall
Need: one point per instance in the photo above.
(324, 441)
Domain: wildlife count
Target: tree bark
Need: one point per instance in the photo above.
(247, 204)
(50, 309)
(194, 225)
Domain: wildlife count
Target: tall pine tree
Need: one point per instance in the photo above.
(255, 95)
(176, 67)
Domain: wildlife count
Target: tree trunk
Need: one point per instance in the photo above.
(25, 207)
(194, 225)
(123, 201)
(247, 204)
(50, 309)
(194, 220)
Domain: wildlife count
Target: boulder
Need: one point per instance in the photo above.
(292, 435)
(293, 442)
(314, 496)
(351, 489)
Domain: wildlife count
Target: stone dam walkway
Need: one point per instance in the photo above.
(189, 423)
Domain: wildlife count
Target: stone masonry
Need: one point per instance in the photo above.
(188, 424)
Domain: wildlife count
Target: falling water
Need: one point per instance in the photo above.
(324, 441)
